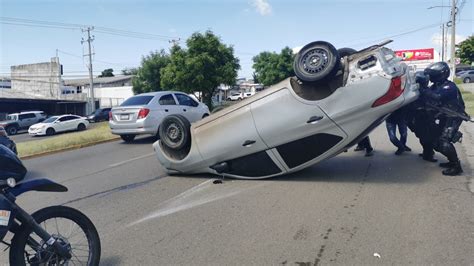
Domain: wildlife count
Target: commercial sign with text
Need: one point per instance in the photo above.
(416, 54)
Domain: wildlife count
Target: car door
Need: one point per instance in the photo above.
(60, 125)
(167, 105)
(26, 120)
(189, 107)
(296, 130)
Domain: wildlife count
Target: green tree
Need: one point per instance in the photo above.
(148, 77)
(203, 66)
(129, 71)
(465, 51)
(109, 72)
(271, 67)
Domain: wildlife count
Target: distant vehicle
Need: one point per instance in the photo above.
(236, 96)
(56, 124)
(143, 113)
(336, 99)
(466, 76)
(248, 94)
(19, 121)
(101, 114)
(6, 141)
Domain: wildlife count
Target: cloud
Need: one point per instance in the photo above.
(262, 7)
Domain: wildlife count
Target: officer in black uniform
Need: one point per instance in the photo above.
(444, 93)
(421, 121)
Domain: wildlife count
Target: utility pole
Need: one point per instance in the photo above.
(442, 43)
(91, 78)
(445, 43)
(453, 39)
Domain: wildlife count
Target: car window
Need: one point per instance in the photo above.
(186, 100)
(51, 119)
(471, 72)
(26, 116)
(138, 100)
(167, 100)
(11, 117)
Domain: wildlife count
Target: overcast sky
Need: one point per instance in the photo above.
(251, 26)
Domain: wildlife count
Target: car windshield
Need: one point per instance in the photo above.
(51, 119)
(138, 100)
(12, 117)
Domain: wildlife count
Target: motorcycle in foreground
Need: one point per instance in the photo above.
(56, 235)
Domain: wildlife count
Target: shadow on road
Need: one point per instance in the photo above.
(141, 140)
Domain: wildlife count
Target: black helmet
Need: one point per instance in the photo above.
(438, 71)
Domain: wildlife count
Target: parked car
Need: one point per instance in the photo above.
(6, 141)
(101, 114)
(337, 98)
(236, 96)
(143, 113)
(466, 76)
(20, 121)
(248, 94)
(61, 123)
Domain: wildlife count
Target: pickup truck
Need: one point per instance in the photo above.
(20, 121)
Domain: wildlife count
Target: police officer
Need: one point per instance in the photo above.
(446, 94)
(422, 121)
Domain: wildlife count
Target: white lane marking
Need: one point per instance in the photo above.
(131, 160)
(193, 197)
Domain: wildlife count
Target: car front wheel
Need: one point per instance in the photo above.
(175, 132)
(467, 80)
(50, 131)
(316, 61)
(81, 127)
(12, 130)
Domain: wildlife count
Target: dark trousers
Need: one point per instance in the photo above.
(365, 144)
(392, 133)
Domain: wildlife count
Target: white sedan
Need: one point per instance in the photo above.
(337, 98)
(60, 123)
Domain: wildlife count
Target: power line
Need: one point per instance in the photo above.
(99, 29)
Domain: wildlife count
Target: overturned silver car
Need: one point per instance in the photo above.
(336, 99)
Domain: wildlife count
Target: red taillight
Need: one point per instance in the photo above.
(110, 115)
(393, 92)
(143, 113)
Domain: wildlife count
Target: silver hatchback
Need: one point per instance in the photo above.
(143, 113)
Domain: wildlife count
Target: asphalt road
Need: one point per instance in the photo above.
(341, 211)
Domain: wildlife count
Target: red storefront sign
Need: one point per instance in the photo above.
(416, 54)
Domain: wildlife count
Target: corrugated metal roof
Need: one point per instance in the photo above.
(97, 80)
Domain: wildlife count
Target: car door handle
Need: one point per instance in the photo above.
(184, 110)
(247, 143)
(314, 119)
(166, 110)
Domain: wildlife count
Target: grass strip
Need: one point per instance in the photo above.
(67, 141)
(468, 101)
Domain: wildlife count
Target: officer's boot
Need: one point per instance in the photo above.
(454, 170)
(447, 164)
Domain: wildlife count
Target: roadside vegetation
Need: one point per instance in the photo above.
(468, 101)
(66, 141)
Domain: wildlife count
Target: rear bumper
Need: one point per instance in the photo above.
(137, 128)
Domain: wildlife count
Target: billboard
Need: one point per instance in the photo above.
(416, 54)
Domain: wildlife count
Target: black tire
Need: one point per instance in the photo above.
(128, 138)
(346, 52)
(12, 130)
(316, 61)
(19, 241)
(50, 131)
(467, 80)
(175, 132)
(81, 127)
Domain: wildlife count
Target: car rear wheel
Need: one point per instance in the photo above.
(50, 131)
(316, 61)
(175, 132)
(127, 138)
(12, 130)
(81, 127)
(467, 80)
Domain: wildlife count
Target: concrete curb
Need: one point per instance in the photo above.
(68, 149)
(468, 153)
